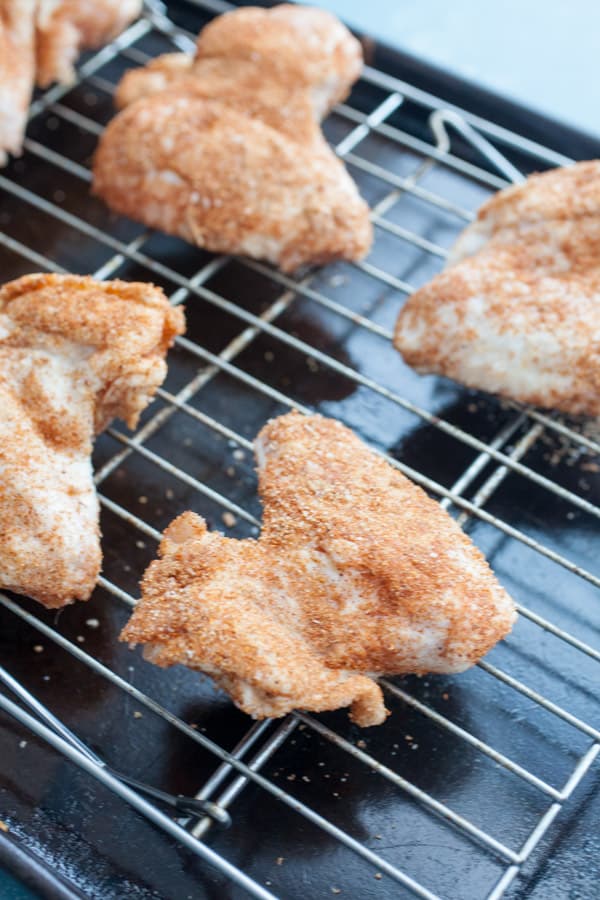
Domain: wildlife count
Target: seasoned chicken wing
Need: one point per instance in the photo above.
(65, 27)
(240, 84)
(286, 66)
(198, 169)
(74, 354)
(39, 43)
(17, 71)
(517, 312)
(225, 149)
(356, 573)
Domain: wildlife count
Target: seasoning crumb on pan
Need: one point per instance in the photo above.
(80, 639)
(22, 744)
(229, 519)
(38, 648)
(239, 454)
(137, 714)
(3, 825)
(589, 467)
(280, 860)
(92, 623)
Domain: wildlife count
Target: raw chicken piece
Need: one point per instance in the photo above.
(17, 71)
(65, 27)
(198, 169)
(39, 43)
(239, 84)
(299, 45)
(74, 353)
(356, 573)
(517, 312)
(225, 149)
(287, 66)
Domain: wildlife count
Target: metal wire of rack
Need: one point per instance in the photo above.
(491, 461)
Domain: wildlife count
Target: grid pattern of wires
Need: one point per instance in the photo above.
(491, 461)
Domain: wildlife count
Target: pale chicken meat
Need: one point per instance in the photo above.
(39, 43)
(225, 149)
(74, 354)
(356, 573)
(517, 310)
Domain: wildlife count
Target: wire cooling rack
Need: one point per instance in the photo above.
(460, 792)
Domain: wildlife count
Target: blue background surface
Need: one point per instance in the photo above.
(542, 53)
(11, 889)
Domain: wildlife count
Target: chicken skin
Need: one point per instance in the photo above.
(225, 149)
(286, 66)
(17, 71)
(74, 354)
(39, 43)
(356, 573)
(219, 190)
(517, 310)
(65, 27)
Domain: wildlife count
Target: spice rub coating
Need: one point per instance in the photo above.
(356, 573)
(517, 311)
(218, 189)
(17, 71)
(39, 43)
(66, 27)
(225, 149)
(74, 354)
(286, 66)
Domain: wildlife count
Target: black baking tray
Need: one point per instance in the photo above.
(71, 836)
